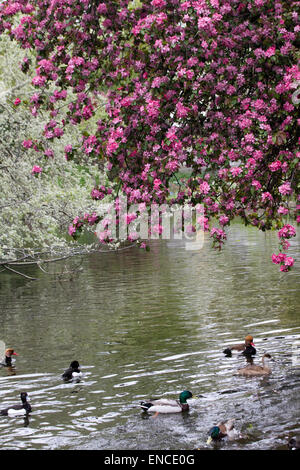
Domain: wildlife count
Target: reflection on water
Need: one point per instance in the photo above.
(145, 325)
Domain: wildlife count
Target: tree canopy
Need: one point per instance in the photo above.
(210, 85)
(40, 192)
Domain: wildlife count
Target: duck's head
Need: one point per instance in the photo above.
(294, 443)
(214, 434)
(266, 358)
(249, 340)
(10, 352)
(75, 365)
(24, 396)
(184, 396)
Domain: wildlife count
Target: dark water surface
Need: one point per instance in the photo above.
(153, 324)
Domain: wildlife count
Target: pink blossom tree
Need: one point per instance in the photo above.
(206, 84)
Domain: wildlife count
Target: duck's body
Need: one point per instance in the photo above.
(249, 351)
(252, 370)
(167, 406)
(247, 348)
(7, 359)
(234, 347)
(73, 372)
(164, 406)
(18, 410)
(221, 430)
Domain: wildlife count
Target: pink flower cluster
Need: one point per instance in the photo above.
(27, 144)
(219, 236)
(99, 193)
(36, 170)
(78, 223)
(285, 188)
(287, 231)
(286, 262)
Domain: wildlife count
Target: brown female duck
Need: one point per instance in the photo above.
(254, 370)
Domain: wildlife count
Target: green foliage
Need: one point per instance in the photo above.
(35, 211)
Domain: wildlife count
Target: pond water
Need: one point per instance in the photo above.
(150, 324)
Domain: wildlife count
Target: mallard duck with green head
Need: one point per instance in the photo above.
(164, 405)
(221, 430)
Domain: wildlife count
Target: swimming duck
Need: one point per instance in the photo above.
(221, 430)
(254, 370)
(72, 372)
(18, 410)
(165, 405)
(294, 443)
(7, 360)
(247, 347)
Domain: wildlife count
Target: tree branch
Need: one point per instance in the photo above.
(21, 274)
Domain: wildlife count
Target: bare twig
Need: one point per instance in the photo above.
(21, 274)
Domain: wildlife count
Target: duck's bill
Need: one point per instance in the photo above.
(209, 440)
